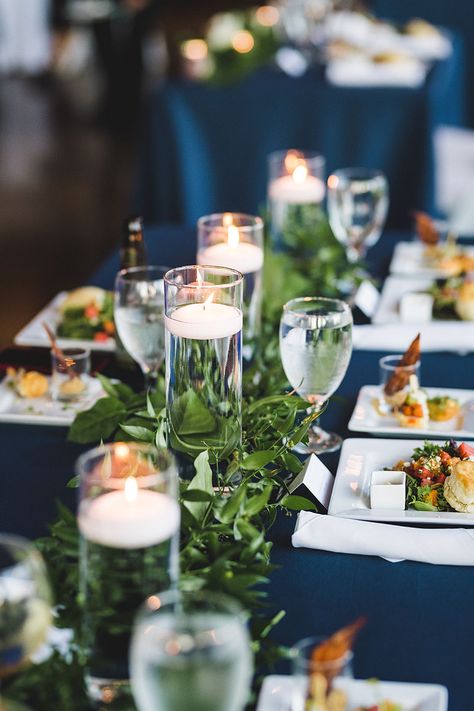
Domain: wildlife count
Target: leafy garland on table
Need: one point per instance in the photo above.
(224, 542)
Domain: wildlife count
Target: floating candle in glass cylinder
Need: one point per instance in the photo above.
(203, 323)
(296, 191)
(128, 518)
(235, 240)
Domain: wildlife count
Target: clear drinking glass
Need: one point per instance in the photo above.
(25, 607)
(395, 380)
(128, 517)
(190, 650)
(357, 206)
(317, 683)
(315, 349)
(139, 317)
(70, 374)
(235, 240)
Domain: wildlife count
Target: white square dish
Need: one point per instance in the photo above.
(351, 492)
(367, 418)
(277, 690)
(408, 260)
(33, 334)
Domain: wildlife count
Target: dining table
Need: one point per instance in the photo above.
(224, 133)
(420, 623)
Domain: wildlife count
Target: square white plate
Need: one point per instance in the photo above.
(393, 290)
(351, 492)
(33, 333)
(276, 694)
(43, 410)
(408, 260)
(366, 418)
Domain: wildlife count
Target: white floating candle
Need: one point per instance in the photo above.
(130, 518)
(204, 321)
(298, 188)
(245, 257)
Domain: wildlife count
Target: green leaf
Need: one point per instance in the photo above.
(258, 460)
(297, 503)
(119, 390)
(232, 504)
(143, 434)
(195, 495)
(100, 422)
(423, 506)
(257, 503)
(201, 481)
(191, 416)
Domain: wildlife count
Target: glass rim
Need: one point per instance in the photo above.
(384, 362)
(74, 351)
(353, 173)
(157, 476)
(287, 308)
(123, 273)
(222, 270)
(252, 222)
(305, 153)
(296, 654)
(156, 602)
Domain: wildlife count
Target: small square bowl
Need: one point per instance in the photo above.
(387, 490)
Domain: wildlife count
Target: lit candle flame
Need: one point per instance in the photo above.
(209, 299)
(130, 489)
(292, 159)
(300, 173)
(122, 451)
(233, 237)
(227, 219)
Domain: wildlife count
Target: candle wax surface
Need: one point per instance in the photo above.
(286, 189)
(204, 321)
(244, 257)
(111, 520)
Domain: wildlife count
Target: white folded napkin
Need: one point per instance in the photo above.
(360, 71)
(455, 337)
(394, 543)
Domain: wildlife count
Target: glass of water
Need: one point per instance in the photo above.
(139, 317)
(315, 349)
(357, 206)
(190, 650)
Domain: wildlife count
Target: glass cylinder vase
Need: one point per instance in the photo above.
(203, 324)
(296, 191)
(235, 240)
(128, 517)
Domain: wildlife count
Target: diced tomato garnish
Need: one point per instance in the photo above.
(445, 457)
(100, 336)
(439, 478)
(91, 311)
(465, 450)
(423, 473)
(426, 481)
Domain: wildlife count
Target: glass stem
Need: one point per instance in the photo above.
(151, 379)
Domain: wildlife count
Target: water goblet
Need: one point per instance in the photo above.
(139, 317)
(357, 207)
(190, 647)
(315, 349)
(25, 607)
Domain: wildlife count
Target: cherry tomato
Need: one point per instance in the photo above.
(465, 451)
(100, 337)
(91, 311)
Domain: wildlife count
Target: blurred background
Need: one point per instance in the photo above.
(170, 108)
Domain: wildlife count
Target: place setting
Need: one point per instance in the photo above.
(237, 432)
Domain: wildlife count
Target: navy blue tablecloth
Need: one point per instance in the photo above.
(420, 616)
(204, 149)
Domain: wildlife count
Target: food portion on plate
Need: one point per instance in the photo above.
(447, 256)
(398, 376)
(27, 383)
(439, 477)
(453, 298)
(87, 313)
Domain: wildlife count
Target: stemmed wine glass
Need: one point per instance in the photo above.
(139, 317)
(25, 607)
(190, 650)
(315, 349)
(357, 206)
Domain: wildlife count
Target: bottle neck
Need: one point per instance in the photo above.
(132, 252)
